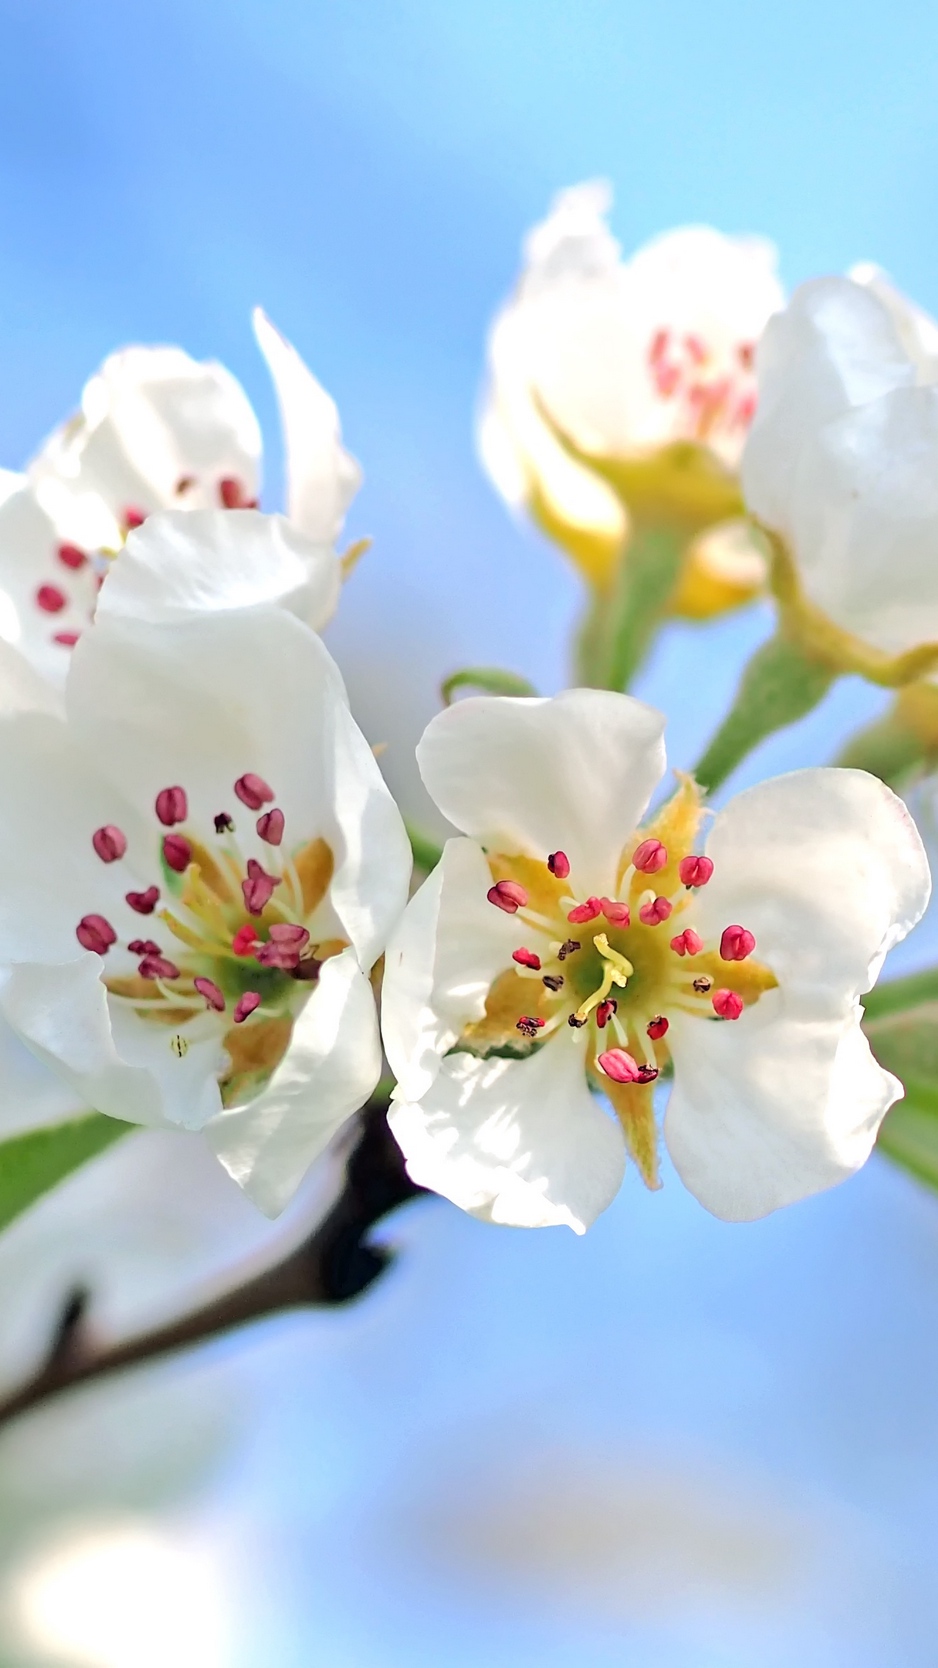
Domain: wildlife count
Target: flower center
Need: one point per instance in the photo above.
(712, 392)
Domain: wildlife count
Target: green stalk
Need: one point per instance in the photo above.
(620, 626)
(779, 685)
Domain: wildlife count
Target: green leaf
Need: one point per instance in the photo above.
(619, 629)
(491, 679)
(427, 852)
(892, 996)
(889, 749)
(31, 1164)
(902, 1026)
(778, 686)
(909, 1136)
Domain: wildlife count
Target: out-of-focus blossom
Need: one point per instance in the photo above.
(158, 430)
(645, 368)
(202, 864)
(559, 949)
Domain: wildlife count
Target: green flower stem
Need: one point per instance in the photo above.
(427, 852)
(620, 625)
(779, 685)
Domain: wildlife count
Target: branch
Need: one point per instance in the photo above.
(332, 1266)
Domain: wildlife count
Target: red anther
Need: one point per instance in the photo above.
(68, 639)
(527, 958)
(109, 842)
(736, 944)
(245, 1006)
(144, 947)
(213, 996)
(507, 895)
(687, 943)
(158, 967)
(695, 349)
(587, 911)
(528, 1025)
(656, 911)
(244, 940)
(50, 599)
(270, 826)
(695, 871)
(177, 852)
(605, 1012)
(283, 947)
(288, 932)
(71, 557)
(617, 914)
(234, 494)
(223, 823)
(647, 1074)
(559, 864)
(134, 517)
(659, 346)
(258, 889)
(657, 1027)
(253, 791)
(727, 1004)
(172, 806)
(94, 932)
(650, 856)
(144, 902)
(619, 1065)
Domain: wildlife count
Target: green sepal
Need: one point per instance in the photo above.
(427, 852)
(888, 749)
(901, 1024)
(620, 625)
(31, 1164)
(492, 680)
(779, 685)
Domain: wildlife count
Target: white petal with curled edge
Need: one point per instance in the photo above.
(774, 1106)
(521, 1142)
(184, 563)
(29, 544)
(440, 964)
(331, 1067)
(918, 331)
(32, 1094)
(322, 477)
(572, 773)
(827, 869)
(373, 854)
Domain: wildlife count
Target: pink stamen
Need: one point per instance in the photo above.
(507, 895)
(659, 346)
(234, 494)
(619, 1065)
(656, 1028)
(50, 599)
(67, 639)
(213, 996)
(528, 1025)
(527, 958)
(687, 943)
(270, 826)
(134, 517)
(177, 852)
(283, 947)
(559, 864)
(245, 1006)
(258, 889)
(656, 911)
(695, 349)
(158, 967)
(144, 947)
(253, 791)
(736, 944)
(617, 914)
(144, 902)
(244, 940)
(727, 1004)
(605, 1012)
(109, 842)
(695, 871)
(649, 857)
(94, 932)
(587, 911)
(71, 557)
(172, 806)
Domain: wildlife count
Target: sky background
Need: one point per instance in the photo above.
(367, 172)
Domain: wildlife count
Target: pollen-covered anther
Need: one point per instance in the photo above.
(695, 871)
(647, 1074)
(655, 911)
(253, 791)
(51, 599)
(529, 1025)
(736, 943)
(172, 806)
(144, 902)
(619, 1065)
(587, 911)
(657, 1027)
(649, 857)
(687, 943)
(223, 823)
(568, 948)
(214, 998)
(109, 843)
(575, 1022)
(270, 826)
(527, 958)
(258, 889)
(617, 914)
(245, 1006)
(158, 967)
(71, 556)
(559, 864)
(94, 932)
(507, 895)
(703, 983)
(177, 852)
(244, 940)
(605, 1011)
(553, 981)
(144, 947)
(727, 1004)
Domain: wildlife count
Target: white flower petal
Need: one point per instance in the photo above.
(29, 561)
(373, 853)
(180, 564)
(918, 331)
(515, 1141)
(440, 964)
(322, 477)
(772, 1107)
(331, 1067)
(572, 773)
(32, 1094)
